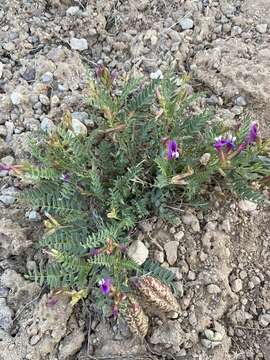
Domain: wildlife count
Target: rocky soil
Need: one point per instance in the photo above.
(221, 259)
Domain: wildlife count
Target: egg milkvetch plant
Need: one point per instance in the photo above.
(142, 158)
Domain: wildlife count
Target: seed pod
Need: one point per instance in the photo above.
(156, 295)
(135, 317)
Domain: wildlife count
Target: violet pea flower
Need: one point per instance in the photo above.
(172, 150)
(4, 167)
(105, 286)
(253, 133)
(65, 177)
(229, 142)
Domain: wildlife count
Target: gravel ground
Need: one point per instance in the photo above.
(222, 262)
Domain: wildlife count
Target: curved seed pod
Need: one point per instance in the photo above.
(156, 294)
(135, 317)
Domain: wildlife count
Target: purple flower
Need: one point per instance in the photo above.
(172, 150)
(253, 133)
(114, 74)
(94, 252)
(123, 248)
(99, 71)
(4, 167)
(65, 177)
(229, 142)
(105, 286)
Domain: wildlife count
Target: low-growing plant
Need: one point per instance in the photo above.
(148, 153)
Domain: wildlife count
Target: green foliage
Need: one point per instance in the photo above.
(93, 189)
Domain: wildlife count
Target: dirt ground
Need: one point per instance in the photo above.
(223, 256)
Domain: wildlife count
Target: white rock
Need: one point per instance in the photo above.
(247, 205)
(179, 235)
(78, 44)
(83, 117)
(159, 256)
(73, 11)
(213, 289)
(1, 69)
(47, 77)
(156, 75)
(33, 216)
(205, 158)
(186, 23)
(237, 285)
(190, 219)
(264, 320)
(7, 199)
(6, 315)
(78, 127)
(138, 252)
(240, 101)
(261, 28)
(16, 98)
(171, 251)
(44, 99)
(48, 126)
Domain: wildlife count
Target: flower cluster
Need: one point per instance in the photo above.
(104, 74)
(226, 145)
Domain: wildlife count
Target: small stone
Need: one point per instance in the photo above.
(247, 205)
(261, 28)
(138, 252)
(55, 101)
(190, 219)
(47, 77)
(29, 74)
(186, 23)
(176, 271)
(3, 131)
(47, 126)
(256, 280)
(213, 289)
(16, 98)
(236, 30)
(203, 256)
(7, 199)
(240, 101)
(237, 110)
(34, 339)
(159, 256)
(4, 292)
(192, 319)
(33, 216)
(44, 99)
(156, 75)
(243, 274)
(237, 285)
(6, 315)
(78, 44)
(78, 127)
(1, 69)
(264, 320)
(73, 11)
(205, 158)
(179, 288)
(171, 251)
(191, 275)
(213, 100)
(8, 160)
(179, 235)
(206, 343)
(83, 117)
